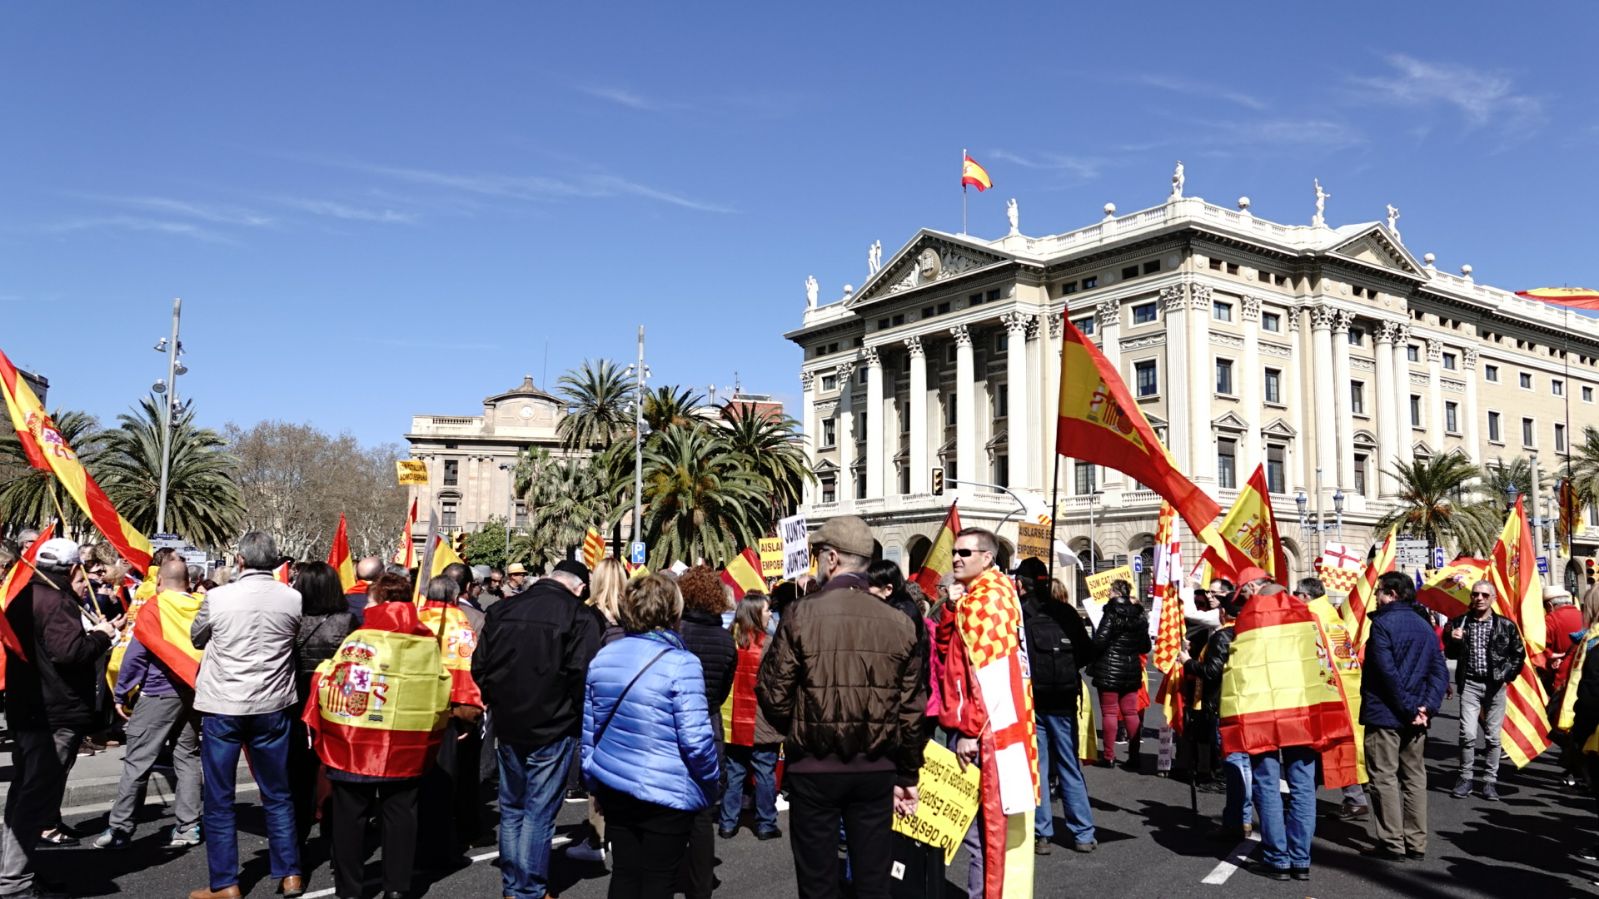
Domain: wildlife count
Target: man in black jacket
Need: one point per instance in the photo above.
(1205, 672)
(50, 699)
(531, 662)
(1058, 645)
(1491, 654)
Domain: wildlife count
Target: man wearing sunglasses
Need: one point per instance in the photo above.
(1490, 654)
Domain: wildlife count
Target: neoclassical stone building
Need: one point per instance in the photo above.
(1327, 354)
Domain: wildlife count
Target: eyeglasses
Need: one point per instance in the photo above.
(963, 553)
(1475, 594)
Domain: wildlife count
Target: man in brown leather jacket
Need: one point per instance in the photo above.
(842, 682)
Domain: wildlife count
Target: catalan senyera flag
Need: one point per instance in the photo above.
(940, 559)
(634, 572)
(1249, 534)
(1447, 590)
(593, 548)
(339, 556)
(1099, 422)
(1278, 688)
(974, 174)
(1357, 607)
(1513, 568)
(1571, 523)
(405, 554)
(743, 573)
(1170, 629)
(456, 645)
(163, 628)
(1569, 297)
(47, 450)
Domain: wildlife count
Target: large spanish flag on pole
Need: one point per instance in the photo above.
(743, 574)
(163, 628)
(1249, 534)
(339, 556)
(47, 450)
(1100, 423)
(1570, 297)
(1279, 687)
(1513, 568)
(940, 559)
(973, 174)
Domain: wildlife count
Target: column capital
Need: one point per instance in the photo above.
(1016, 322)
(1198, 296)
(1342, 320)
(1108, 313)
(913, 346)
(1435, 350)
(1173, 298)
(1387, 332)
(845, 370)
(1057, 326)
(870, 357)
(1401, 333)
(1321, 317)
(1293, 318)
(962, 335)
(807, 380)
(1468, 358)
(1250, 311)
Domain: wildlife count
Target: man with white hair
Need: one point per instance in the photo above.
(50, 700)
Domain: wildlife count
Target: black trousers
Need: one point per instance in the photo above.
(865, 802)
(395, 803)
(648, 842)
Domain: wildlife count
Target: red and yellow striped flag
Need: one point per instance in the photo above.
(1169, 631)
(593, 548)
(163, 628)
(21, 573)
(405, 553)
(1358, 605)
(1278, 688)
(284, 574)
(974, 174)
(47, 450)
(1249, 534)
(743, 573)
(940, 559)
(339, 556)
(1570, 297)
(1513, 568)
(1447, 591)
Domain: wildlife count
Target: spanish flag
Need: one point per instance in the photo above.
(1099, 422)
(1569, 297)
(1512, 566)
(940, 559)
(10, 588)
(1278, 688)
(456, 645)
(163, 628)
(593, 548)
(1447, 591)
(284, 574)
(1571, 523)
(1249, 534)
(339, 556)
(974, 174)
(405, 554)
(47, 450)
(444, 555)
(743, 574)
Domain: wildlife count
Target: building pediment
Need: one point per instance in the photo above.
(930, 257)
(826, 466)
(1279, 428)
(1376, 247)
(1230, 422)
(1421, 449)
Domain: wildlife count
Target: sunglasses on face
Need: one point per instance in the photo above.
(1475, 595)
(964, 553)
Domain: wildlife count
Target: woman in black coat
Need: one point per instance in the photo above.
(1121, 640)
(704, 600)
(325, 621)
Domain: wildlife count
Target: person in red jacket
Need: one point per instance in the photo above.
(752, 743)
(1564, 622)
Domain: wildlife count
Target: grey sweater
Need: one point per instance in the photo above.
(247, 630)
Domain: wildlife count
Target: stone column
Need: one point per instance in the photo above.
(1108, 318)
(965, 414)
(918, 416)
(1382, 394)
(1404, 450)
(1435, 394)
(1019, 438)
(1173, 309)
(874, 422)
(1321, 322)
(1200, 381)
(846, 434)
(1469, 428)
(1248, 379)
(812, 433)
(1051, 351)
(1345, 476)
(1300, 459)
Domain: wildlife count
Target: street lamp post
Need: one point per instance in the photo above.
(174, 368)
(510, 506)
(640, 373)
(1321, 527)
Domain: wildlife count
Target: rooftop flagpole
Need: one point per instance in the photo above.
(963, 190)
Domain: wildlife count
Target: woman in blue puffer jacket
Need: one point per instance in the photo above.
(649, 754)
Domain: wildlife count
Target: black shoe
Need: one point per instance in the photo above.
(1299, 873)
(1462, 788)
(1489, 792)
(1349, 811)
(1415, 856)
(727, 833)
(773, 834)
(1105, 763)
(1211, 786)
(577, 794)
(1268, 872)
(1382, 854)
(1227, 834)
(1087, 847)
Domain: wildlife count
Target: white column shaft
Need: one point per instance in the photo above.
(1344, 477)
(874, 427)
(1019, 411)
(965, 412)
(1388, 433)
(918, 421)
(1326, 427)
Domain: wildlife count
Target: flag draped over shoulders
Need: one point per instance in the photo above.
(1280, 686)
(457, 642)
(163, 628)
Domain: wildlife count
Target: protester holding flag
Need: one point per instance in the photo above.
(163, 710)
(1490, 654)
(704, 601)
(752, 742)
(1206, 670)
(1120, 641)
(325, 621)
(1058, 645)
(1401, 688)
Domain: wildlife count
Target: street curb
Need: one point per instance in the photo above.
(91, 794)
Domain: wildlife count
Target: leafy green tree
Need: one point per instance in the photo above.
(701, 502)
(203, 502)
(599, 405)
(667, 405)
(1438, 502)
(30, 497)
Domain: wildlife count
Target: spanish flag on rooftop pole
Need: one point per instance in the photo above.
(972, 175)
(47, 450)
(1569, 297)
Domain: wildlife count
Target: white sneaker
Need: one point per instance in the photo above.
(184, 839)
(586, 852)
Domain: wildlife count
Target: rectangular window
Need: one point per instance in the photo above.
(860, 485)
(1227, 463)
(1357, 397)
(860, 376)
(899, 319)
(1452, 417)
(1085, 325)
(521, 514)
(1415, 410)
(882, 323)
(1526, 381)
(1222, 312)
(1451, 361)
(1152, 266)
(447, 513)
(829, 489)
(1357, 336)
(1002, 470)
(927, 312)
(829, 382)
(1084, 478)
(1129, 273)
(452, 472)
(1493, 428)
(860, 428)
(1276, 469)
(830, 432)
(992, 295)
(1148, 380)
(1068, 287)
(1271, 321)
(1090, 282)
(1560, 438)
(1412, 353)
(1529, 432)
(950, 354)
(1490, 373)
(943, 308)
(1360, 473)
(950, 415)
(1002, 401)
(1557, 387)
(1144, 313)
(1587, 394)
(1273, 385)
(1224, 377)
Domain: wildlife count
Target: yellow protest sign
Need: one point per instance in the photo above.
(1099, 584)
(771, 550)
(1032, 541)
(411, 472)
(949, 799)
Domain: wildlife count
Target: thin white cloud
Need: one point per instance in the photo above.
(1201, 89)
(346, 212)
(1084, 167)
(542, 188)
(216, 214)
(135, 223)
(1482, 98)
(622, 97)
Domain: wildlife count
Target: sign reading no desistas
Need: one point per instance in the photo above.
(948, 802)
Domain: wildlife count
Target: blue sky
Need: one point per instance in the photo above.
(372, 210)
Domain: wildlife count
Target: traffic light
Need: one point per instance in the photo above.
(1589, 565)
(938, 482)
(460, 544)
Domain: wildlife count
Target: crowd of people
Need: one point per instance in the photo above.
(402, 709)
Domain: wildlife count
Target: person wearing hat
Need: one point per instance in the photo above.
(531, 660)
(1563, 627)
(842, 683)
(515, 579)
(1490, 654)
(50, 698)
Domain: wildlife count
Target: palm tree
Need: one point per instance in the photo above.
(1585, 466)
(203, 502)
(30, 496)
(768, 445)
(667, 405)
(701, 502)
(564, 498)
(1437, 503)
(598, 398)
(1498, 478)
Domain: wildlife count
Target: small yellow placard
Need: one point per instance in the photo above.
(1099, 584)
(771, 549)
(411, 472)
(949, 799)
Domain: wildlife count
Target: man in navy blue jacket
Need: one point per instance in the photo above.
(1401, 688)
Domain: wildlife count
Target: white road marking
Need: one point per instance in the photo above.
(556, 843)
(1235, 859)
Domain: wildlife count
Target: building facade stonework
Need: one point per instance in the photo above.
(1327, 355)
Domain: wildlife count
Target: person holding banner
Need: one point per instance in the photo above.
(1121, 639)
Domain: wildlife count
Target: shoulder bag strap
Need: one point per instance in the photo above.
(599, 732)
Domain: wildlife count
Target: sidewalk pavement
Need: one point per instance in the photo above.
(92, 784)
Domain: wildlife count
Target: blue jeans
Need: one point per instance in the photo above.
(1235, 770)
(1285, 837)
(532, 782)
(1057, 743)
(738, 763)
(267, 737)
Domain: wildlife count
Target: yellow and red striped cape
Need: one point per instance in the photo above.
(163, 628)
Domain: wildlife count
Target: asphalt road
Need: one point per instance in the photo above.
(1151, 845)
